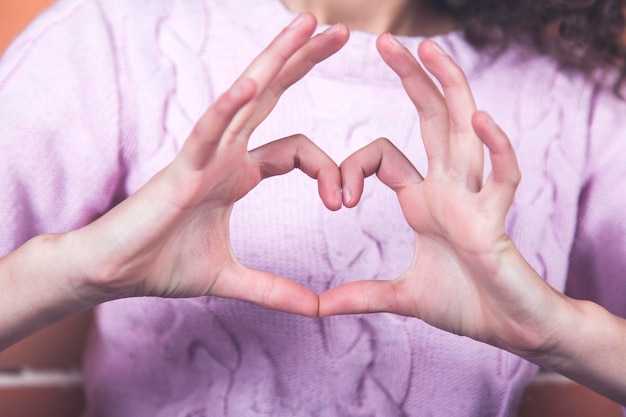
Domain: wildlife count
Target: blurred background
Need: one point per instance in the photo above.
(40, 377)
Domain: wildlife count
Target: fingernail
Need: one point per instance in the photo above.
(339, 197)
(439, 49)
(347, 195)
(394, 41)
(488, 119)
(296, 22)
(334, 28)
(237, 88)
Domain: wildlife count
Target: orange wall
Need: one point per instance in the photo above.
(56, 351)
(15, 15)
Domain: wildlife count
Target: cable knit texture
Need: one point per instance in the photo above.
(99, 95)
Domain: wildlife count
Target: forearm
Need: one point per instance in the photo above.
(40, 283)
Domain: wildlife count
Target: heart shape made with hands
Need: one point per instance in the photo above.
(458, 219)
(338, 186)
(171, 238)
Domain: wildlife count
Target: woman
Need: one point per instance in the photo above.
(126, 107)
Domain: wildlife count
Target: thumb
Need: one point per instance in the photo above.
(365, 297)
(266, 290)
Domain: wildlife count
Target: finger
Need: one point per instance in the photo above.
(426, 97)
(365, 297)
(200, 147)
(266, 290)
(268, 64)
(382, 158)
(320, 47)
(466, 149)
(283, 155)
(505, 175)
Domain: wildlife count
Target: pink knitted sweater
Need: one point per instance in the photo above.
(96, 96)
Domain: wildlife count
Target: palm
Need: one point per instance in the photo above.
(445, 291)
(198, 250)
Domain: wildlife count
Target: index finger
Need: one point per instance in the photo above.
(317, 49)
(268, 64)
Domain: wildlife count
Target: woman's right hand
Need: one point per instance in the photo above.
(171, 238)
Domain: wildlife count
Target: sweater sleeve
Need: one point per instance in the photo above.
(59, 127)
(95, 97)
(597, 268)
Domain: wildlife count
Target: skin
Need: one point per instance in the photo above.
(400, 17)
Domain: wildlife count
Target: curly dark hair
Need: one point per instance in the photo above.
(582, 35)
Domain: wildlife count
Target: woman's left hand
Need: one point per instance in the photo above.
(466, 277)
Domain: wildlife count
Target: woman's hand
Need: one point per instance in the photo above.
(466, 276)
(171, 238)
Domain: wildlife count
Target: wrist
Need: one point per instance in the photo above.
(575, 338)
(524, 315)
(589, 349)
(79, 269)
(551, 331)
(40, 286)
